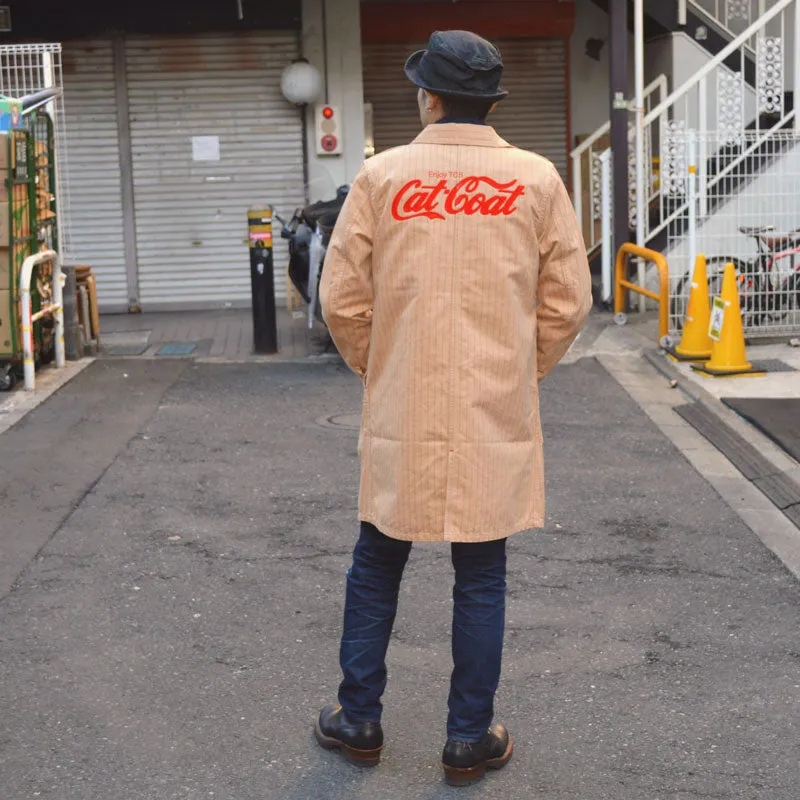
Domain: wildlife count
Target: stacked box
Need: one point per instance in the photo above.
(6, 323)
(7, 309)
(5, 255)
(27, 224)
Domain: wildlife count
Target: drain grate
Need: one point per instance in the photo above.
(124, 349)
(177, 349)
(125, 343)
(773, 365)
(779, 488)
(739, 452)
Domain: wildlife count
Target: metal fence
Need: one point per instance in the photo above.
(740, 203)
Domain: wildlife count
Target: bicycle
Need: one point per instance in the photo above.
(766, 294)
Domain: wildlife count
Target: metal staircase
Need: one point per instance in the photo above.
(740, 96)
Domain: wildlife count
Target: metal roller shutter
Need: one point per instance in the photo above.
(191, 215)
(395, 114)
(533, 117)
(92, 168)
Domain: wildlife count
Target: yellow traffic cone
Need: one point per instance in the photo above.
(696, 343)
(728, 352)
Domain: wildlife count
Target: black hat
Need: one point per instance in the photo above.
(458, 64)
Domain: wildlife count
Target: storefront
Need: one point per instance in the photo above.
(177, 125)
(200, 124)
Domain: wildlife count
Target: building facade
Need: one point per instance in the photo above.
(176, 124)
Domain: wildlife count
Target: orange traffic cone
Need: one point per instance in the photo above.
(728, 353)
(696, 343)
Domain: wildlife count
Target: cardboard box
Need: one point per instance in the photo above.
(5, 269)
(6, 323)
(4, 152)
(4, 225)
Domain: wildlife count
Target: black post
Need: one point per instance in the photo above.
(262, 281)
(73, 348)
(618, 82)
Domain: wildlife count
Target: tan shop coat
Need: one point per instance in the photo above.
(455, 280)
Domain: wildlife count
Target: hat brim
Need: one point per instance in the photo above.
(412, 73)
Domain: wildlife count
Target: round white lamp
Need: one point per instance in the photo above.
(301, 83)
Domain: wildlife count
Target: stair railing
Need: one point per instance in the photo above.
(729, 17)
(717, 98)
(587, 169)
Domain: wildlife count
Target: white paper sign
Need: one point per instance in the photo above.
(205, 148)
(717, 319)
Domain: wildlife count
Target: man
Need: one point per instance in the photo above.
(456, 279)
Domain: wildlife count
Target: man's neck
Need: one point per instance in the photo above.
(461, 121)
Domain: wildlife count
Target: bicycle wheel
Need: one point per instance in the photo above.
(715, 271)
(787, 301)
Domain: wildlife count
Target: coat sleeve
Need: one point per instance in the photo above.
(346, 285)
(565, 287)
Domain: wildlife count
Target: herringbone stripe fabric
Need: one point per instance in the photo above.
(456, 279)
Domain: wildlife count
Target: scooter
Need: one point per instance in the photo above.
(309, 234)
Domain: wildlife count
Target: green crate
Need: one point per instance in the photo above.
(28, 224)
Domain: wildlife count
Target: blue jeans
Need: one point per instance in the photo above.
(373, 584)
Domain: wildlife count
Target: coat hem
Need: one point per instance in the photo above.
(535, 523)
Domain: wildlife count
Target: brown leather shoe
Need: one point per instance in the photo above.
(361, 743)
(465, 763)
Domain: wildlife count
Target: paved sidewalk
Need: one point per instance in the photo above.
(178, 632)
(773, 384)
(658, 385)
(221, 335)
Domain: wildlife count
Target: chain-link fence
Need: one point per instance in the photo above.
(24, 70)
(746, 191)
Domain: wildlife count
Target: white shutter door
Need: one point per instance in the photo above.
(191, 215)
(395, 114)
(533, 117)
(92, 168)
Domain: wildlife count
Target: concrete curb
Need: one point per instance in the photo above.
(323, 358)
(15, 405)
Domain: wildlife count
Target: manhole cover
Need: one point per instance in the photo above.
(350, 422)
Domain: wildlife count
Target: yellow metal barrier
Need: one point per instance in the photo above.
(622, 285)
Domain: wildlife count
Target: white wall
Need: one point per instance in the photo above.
(658, 60)
(589, 79)
(345, 89)
(688, 58)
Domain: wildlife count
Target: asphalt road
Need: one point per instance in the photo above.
(177, 632)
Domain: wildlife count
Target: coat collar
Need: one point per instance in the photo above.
(459, 133)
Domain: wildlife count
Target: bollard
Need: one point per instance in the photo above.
(262, 280)
(72, 330)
